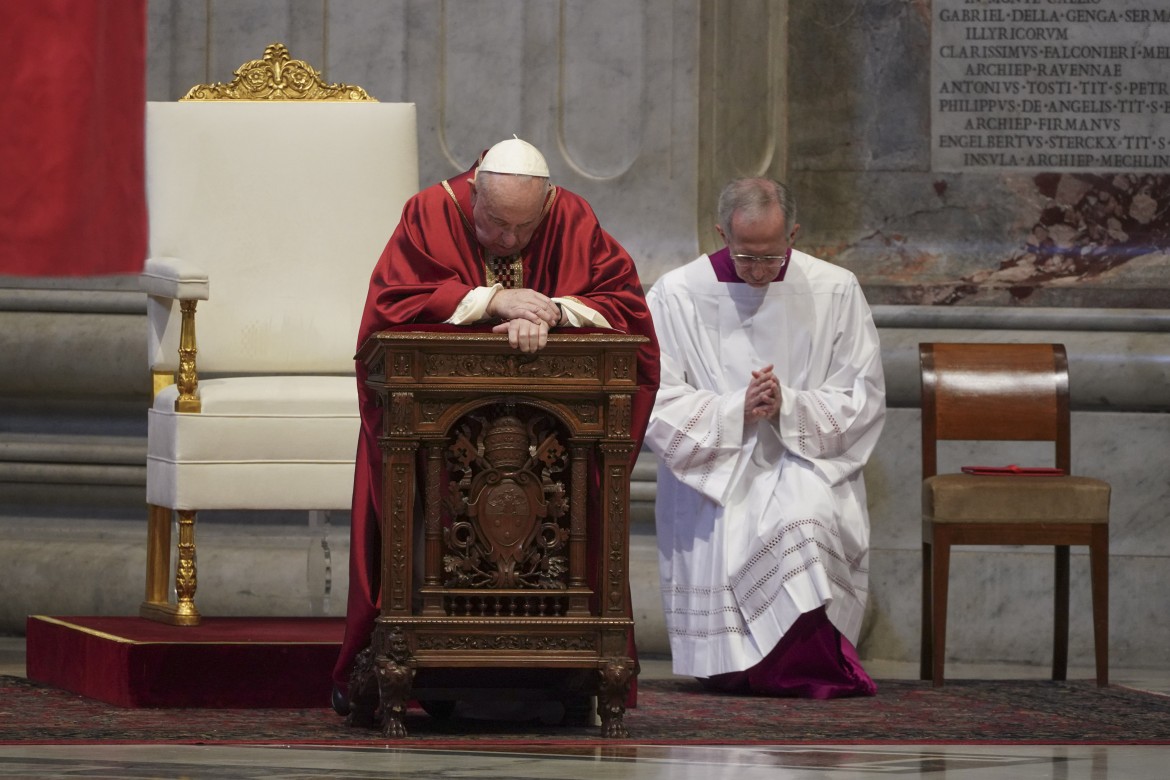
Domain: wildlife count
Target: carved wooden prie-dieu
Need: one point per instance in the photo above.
(515, 470)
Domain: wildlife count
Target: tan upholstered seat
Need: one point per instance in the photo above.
(270, 199)
(967, 498)
(1006, 392)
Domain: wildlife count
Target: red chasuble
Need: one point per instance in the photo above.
(430, 263)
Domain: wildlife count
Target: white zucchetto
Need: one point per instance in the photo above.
(515, 157)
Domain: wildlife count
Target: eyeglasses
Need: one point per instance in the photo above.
(767, 261)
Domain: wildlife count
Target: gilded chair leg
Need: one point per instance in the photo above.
(1099, 576)
(157, 605)
(924, 652)
(940, 575)
(1060, 616)
(185, 575)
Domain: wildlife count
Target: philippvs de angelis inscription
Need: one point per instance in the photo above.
(1050, 85)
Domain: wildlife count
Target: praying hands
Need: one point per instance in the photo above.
(762, 399)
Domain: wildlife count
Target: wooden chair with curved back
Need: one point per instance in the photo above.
(1006, 393)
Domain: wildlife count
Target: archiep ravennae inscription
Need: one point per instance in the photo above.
(1050, 85)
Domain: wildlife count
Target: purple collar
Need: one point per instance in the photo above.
(724, 267)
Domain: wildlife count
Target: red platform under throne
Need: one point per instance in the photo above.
(223, 662)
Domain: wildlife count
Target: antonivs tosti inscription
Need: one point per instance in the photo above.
(1050, 85)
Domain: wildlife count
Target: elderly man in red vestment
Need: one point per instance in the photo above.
(498, 244)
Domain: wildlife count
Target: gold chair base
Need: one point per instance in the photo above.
(171, 614)
(156, 605)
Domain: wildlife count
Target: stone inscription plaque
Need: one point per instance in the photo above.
(1050, 85)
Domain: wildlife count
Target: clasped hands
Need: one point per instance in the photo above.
(762, 398)
(528, 316)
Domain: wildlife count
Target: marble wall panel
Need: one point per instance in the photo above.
(484, 82)
(286, 571)
(1129, 452)
(235, 26)
(1001, 609)
(609, 103)
(599, 56)
(105, 576)
(893, 477)
(269, 570)
(858, 86)
(1139, 589)
(1010, 588)
(160, 20)
(367, 43)
(743, 100)
(198, 43)
(86, 355)
(747, 48)
(177, 48)
(859, 160)
(1123, 449)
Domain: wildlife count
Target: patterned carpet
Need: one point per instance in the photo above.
(669, 712)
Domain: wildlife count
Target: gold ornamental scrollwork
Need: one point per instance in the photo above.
(185, 573)
(277, 76)
(187, 377)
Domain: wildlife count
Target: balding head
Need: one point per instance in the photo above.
(751, 197)
(506, 210)
(757, 220)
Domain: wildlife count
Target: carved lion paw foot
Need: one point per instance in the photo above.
(614, 729)
(393, 728)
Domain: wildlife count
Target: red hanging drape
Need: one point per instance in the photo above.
(72, 192)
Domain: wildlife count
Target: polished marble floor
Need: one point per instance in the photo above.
(637, 762)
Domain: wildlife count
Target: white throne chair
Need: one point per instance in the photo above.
(271, 198)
